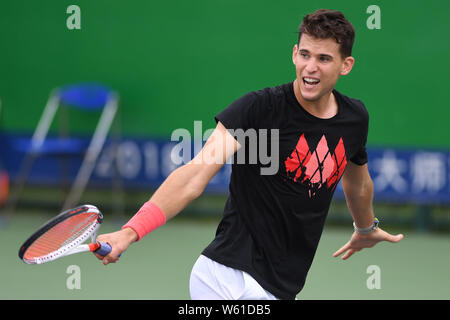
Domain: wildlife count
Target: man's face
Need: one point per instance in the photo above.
(318, 65)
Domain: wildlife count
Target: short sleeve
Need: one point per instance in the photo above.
(360, 157)
(239, 114)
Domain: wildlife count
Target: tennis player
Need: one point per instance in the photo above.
(272, 223)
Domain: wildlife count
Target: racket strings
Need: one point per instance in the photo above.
(61, 235)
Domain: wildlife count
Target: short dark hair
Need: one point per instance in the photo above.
(324, 24)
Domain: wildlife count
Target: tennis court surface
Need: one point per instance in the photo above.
(158, 267)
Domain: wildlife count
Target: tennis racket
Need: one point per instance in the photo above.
(64, 235)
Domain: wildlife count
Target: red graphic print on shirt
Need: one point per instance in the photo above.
(316, 168)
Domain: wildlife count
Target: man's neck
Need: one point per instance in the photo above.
(325, 107)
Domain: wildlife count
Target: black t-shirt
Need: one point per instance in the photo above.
(272, 223)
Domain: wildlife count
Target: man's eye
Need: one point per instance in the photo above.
(304, 55)
(324, 59)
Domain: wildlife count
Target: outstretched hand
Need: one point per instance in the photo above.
(361, 241)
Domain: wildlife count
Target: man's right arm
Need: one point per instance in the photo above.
(188, 182)
(181, 187)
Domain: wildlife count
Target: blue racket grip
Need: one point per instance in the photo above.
(104, 249)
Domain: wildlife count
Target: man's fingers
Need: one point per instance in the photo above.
(109, 259)
(394, 239)
(105, 259)
(113, 256)
(341, 250)
(99, 257)
(118, 241)
(348, 254)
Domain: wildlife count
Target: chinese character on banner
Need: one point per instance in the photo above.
(428, 172)
(389, 170)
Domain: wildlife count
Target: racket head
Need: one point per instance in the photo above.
(61, 234)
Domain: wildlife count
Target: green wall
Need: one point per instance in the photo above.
(174, 62)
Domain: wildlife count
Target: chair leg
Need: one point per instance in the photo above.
(91, 156)
(81, 181)
(117, 183)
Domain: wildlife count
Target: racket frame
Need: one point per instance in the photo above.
(75, 246)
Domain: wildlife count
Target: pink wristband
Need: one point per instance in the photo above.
(148, 218)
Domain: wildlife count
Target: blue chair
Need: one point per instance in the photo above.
(88, 97)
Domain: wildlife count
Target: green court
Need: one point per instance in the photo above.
(159, 266)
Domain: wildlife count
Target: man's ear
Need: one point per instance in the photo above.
(347, 65)
(294, 53)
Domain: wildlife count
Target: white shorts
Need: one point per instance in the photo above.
(211, 280)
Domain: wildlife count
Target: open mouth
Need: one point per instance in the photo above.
(310, 82)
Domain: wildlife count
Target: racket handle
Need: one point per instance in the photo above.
(103, 248)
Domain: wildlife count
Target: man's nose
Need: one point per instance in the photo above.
(311, 66)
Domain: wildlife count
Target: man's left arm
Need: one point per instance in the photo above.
(358, 190)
